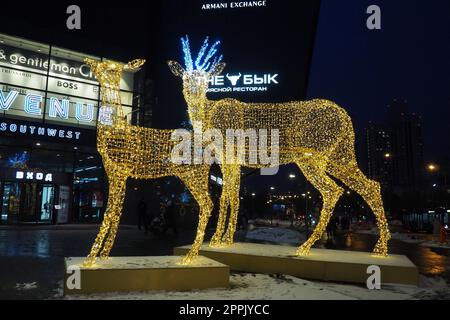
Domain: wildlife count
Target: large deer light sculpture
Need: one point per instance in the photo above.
(316, 135)
(140, 153)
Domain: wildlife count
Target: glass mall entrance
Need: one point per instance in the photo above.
(26, 202)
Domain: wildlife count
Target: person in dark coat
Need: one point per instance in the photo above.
(331, 229)
(142, 215)
(155, 210)
(170, 217)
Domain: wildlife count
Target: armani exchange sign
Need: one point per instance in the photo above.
(234, 5)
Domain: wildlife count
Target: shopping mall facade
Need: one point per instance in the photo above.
(50, 171)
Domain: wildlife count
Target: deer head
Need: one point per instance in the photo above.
(108, 73)
(196, 74)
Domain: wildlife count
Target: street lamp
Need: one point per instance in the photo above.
(432, 167)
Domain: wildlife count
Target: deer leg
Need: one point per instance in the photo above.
(90, 260)
(370, 191)
(235, 184)
(330, 192)
(216, 239)
(106, 223)
(116, 198)
(198, 186)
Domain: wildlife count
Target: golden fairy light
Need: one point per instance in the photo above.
(316, 135)
(140, 153)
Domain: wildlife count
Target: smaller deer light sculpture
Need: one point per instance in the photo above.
(140, 153)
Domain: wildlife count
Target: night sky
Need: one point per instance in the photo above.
(408, 58)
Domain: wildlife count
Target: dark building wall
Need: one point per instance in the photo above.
(406, 128)
(394, 150)
(379, 154)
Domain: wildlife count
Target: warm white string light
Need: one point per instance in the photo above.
(316, 135)
(141, 153)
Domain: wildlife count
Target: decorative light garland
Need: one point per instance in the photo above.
(140, 153)
(316, 135)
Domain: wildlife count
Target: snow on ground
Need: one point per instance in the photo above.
(436, 244)
(247, 286)
(278, 287)
(277, 235)
(404, 237)
(408, 238)
(242, 287)
(26, 286)
(273, 222)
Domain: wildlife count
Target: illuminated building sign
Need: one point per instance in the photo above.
(39, 131)
(51, 85)
(239, 82)
(233, 5)
(36, 61)
(34, 176)
(47, 132)
(57, 108)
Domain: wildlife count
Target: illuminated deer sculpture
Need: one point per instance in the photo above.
(316, 135)
(135, 152)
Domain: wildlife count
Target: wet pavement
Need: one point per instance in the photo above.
(32, 258)
(430, 261)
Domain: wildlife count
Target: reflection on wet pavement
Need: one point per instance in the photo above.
(36, 255)
(431, 262)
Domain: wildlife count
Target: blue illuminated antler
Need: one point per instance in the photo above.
(205, 65)
(187, 54)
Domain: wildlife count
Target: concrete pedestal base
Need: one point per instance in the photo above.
(130, 274)
(321, 264)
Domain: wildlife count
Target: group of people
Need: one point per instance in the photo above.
(159, 218)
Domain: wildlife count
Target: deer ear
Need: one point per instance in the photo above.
(176, 68)
(90, 62)
(217, 69)
(134, 64)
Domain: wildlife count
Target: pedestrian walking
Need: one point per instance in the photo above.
(142, 215)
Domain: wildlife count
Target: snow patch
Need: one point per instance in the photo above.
(436, 244)
(276, 235)
(404, 237)
(26, 286)
(242, 287)
(248, 286)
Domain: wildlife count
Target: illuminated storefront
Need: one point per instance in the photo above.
(50, 171)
